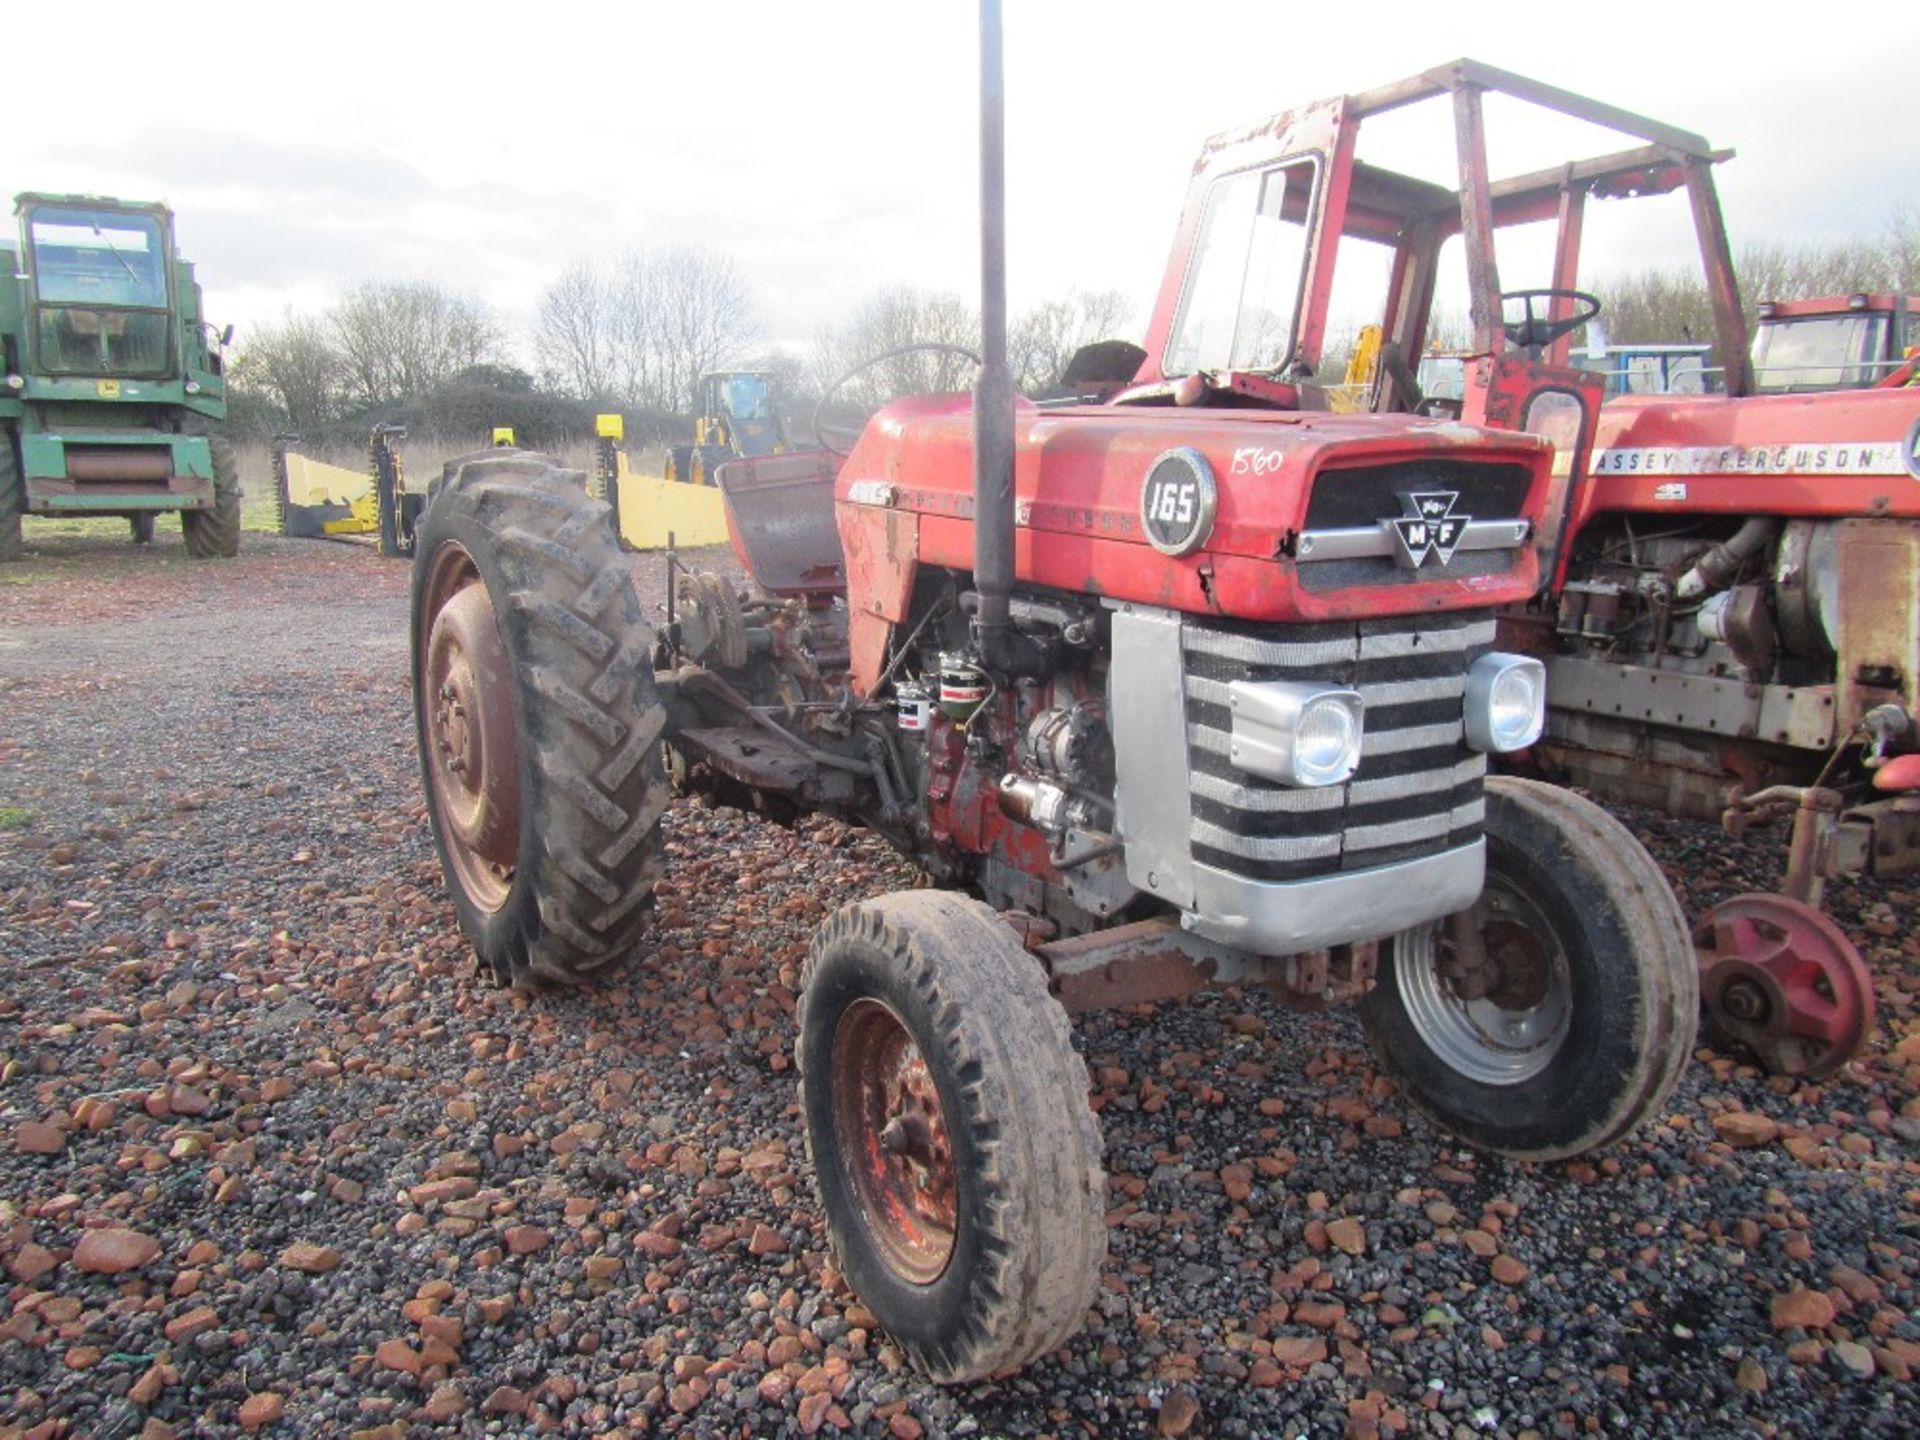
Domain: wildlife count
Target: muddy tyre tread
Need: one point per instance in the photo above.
(593, 790)
(1579, 837)
(13, 500)
(1038, 1187)
(214, 533)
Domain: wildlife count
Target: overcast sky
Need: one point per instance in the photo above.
(830, 147)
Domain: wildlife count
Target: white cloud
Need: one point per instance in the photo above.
(830, 147)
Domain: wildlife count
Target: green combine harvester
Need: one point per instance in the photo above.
(111, 396)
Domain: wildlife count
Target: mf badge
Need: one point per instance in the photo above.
(1429, 528)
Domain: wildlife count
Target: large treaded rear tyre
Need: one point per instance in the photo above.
(1593, 996)
(532, 666)
(13, 500)
(214, 533)
(956, 1157)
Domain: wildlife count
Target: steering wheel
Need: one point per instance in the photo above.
(822, 428)
(1534, 331)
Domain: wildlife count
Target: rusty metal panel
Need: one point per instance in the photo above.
(780, 509)
(1878, 615)
(1566, 267)
(1801, 716)
(1730, 321)
(1476, 221)
(882, 548)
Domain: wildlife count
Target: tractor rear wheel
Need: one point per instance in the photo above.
(956, 1157)
(679, 466)
(214, 533)
(1565, 1022)
(141, 523)
(537, 720)
(13, 500)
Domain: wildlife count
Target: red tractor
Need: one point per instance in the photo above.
(1732, 624)
(1730, 609)
(1199, 686)
(1835, 342)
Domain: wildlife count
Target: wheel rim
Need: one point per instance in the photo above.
(1511, 1032)
(1780, 978)
(893, 1142)
(473, 759)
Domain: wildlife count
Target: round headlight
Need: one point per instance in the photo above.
(1326, 748)
(1506, 702)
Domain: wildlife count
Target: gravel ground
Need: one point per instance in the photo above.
(272, 1157)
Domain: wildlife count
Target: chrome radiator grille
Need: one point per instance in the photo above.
(1418, 790)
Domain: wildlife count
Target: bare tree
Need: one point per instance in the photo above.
(703, 314)
(1658, 305)
(644, 328)
(402, 337)
(1042, 340)
(292, 364)
(893, 321)
(576, 334)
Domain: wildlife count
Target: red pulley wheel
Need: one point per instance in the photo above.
(1780, 979)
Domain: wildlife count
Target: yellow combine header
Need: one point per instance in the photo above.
(317, 501)
(647, 509)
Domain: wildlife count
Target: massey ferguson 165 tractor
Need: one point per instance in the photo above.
(1733, 622)
(1193, 688)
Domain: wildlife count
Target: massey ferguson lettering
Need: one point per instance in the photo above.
(1788, 459)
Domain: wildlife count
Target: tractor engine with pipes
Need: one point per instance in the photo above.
(1198, 686)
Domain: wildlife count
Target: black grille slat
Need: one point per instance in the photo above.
(1432, 649)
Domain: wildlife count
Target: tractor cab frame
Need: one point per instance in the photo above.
(1519, 372)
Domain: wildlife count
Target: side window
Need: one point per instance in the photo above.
(1557, 415)
(1362, 271)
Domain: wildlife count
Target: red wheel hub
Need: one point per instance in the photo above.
(1780, 979)
(893, 1141)
(472, 740)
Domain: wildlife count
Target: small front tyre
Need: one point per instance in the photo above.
(1563, 1021)
(957, 1160)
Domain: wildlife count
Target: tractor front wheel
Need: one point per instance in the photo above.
(956, 1157)
(1555, 1016)
(214, 533)
(537, 720)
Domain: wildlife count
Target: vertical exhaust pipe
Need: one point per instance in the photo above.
(1000, 647)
